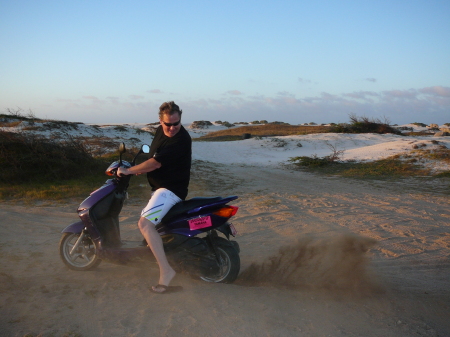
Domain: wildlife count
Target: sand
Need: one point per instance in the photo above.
(321, 256)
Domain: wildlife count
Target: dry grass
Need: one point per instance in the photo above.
(9, 124)
(419, 133)
(267, 130)
(440, 154)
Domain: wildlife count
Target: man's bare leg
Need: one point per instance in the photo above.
(166, 272)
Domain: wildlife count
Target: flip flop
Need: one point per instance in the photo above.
(167, 289)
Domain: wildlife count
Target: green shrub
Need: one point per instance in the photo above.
(201, 124)
(140, 131)
(419, 124)
(28, 158)
(227, 124)
(364, 125)
(17, 114)
(315, 161)
(311, 162)
(52, 125)
(120, 128)
(279, 123)
(278, 142)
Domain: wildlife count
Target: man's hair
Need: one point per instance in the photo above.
(169, 108)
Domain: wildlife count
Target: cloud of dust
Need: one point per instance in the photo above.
(337, 263)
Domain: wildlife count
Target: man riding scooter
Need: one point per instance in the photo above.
(168, 173)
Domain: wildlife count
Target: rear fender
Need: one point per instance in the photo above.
(222, 242)
(226, 230)
(76, 227)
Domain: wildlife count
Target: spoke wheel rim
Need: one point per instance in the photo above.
(83, 256)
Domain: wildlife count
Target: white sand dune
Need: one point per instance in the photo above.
(269, 150)
(273, 151)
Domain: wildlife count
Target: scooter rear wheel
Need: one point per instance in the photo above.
(84, 258)
(230, 265)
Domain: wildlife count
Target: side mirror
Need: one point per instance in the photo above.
(144, 149)
(122, 148)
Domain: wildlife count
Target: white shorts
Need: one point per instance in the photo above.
(161, 201)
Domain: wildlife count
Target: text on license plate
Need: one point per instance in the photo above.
(199, 223)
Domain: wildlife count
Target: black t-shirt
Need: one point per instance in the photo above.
(174, 154)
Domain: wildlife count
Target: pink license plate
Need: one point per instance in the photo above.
(199, 223)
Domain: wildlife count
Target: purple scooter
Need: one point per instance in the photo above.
(190, 232)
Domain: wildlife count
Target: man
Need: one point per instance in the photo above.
(168, 172)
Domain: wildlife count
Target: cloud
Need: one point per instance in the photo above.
(324, 97)
(234, 92)
(302, 80)
(398, 106)
(154, 91)
(362, 95)
(427, 104)
(436, 91)
(256, 97)
(65, 100)
(328, 97)
(401, 94)
(371, 79)
(285, 93)
(134, 97)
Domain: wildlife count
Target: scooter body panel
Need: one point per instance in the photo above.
(76, 227)
(97, 195)
(189, 224)
(211, 205)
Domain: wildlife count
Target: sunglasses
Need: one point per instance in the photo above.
(171, 124)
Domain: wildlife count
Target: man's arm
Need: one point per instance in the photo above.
(147, 166)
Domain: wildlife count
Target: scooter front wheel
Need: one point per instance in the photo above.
(83, 258)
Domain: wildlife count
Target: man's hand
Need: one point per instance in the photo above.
(122, 171)
(147, 166)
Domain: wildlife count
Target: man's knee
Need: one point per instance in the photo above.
(144, 224)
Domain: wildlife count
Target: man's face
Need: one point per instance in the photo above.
(171, 130)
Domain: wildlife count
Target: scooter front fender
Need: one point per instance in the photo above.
(76, 227)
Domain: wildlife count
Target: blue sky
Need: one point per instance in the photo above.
(292, 61)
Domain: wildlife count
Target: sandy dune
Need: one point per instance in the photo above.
(357, 258)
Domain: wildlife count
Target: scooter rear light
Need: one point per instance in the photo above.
(227, 211)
